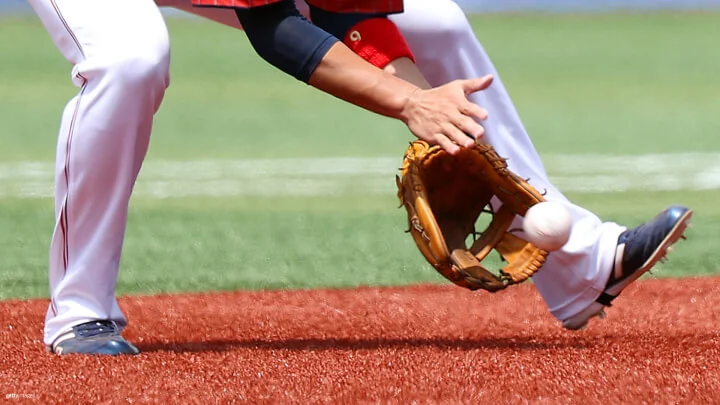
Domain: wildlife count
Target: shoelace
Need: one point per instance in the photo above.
(95, 329)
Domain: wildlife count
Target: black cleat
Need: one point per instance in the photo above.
(95, 337)
(638, 250)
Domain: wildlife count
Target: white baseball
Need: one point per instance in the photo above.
(547, 225)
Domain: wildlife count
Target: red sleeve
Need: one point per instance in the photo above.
(378, 41)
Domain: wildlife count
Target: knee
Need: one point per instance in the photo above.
(142, 67)
(440, 22)
(140, 71)
(450, 22)
(137, 66)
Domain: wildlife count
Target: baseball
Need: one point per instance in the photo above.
(547, 225)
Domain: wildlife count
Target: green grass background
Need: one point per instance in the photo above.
(609, 84)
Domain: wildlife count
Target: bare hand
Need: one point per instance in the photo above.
(444, 116)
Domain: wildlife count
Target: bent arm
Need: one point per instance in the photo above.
(285, 39)
(443, 115)
(347, 76)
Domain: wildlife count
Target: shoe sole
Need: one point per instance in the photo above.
(116, 346)
(596, 309)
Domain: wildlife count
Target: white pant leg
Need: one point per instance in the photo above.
(120, 54)
(447, 49)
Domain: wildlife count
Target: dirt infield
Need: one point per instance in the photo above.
(424, 344)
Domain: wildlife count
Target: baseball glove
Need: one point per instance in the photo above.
(445, 195)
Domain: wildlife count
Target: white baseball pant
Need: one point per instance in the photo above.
(120, 54)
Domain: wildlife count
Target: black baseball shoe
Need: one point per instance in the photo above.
(638, 250)
(95, 337)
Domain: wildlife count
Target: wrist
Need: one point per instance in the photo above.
(407, 100)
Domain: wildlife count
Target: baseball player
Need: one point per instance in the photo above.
(601, 258)
(122, 73)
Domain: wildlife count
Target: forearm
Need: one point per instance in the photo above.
(376, 39)
(407, 70)
(348, 77)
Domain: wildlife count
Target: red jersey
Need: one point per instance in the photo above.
(336, 6)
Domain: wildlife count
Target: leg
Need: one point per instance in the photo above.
(446, 49)
(120, 56)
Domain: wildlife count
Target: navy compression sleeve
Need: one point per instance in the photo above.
(338, 24)
(285, 39)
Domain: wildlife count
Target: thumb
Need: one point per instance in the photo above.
(481, 83)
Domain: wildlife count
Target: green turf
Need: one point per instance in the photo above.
(630, 83)
(203, 244)
(609, 83)
(606, 84)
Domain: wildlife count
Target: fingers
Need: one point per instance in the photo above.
(474, 85)
(475, 110)
(444, 116)
(471, 110)
(458, 136)
(470, 128)
(449, 146)
(467, 124)
(453, 138)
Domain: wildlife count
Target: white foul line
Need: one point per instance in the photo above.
(363, 176)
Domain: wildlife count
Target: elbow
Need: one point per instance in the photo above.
(286, 40)
(294, 61)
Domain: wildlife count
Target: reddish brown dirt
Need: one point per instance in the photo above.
(424, 344)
